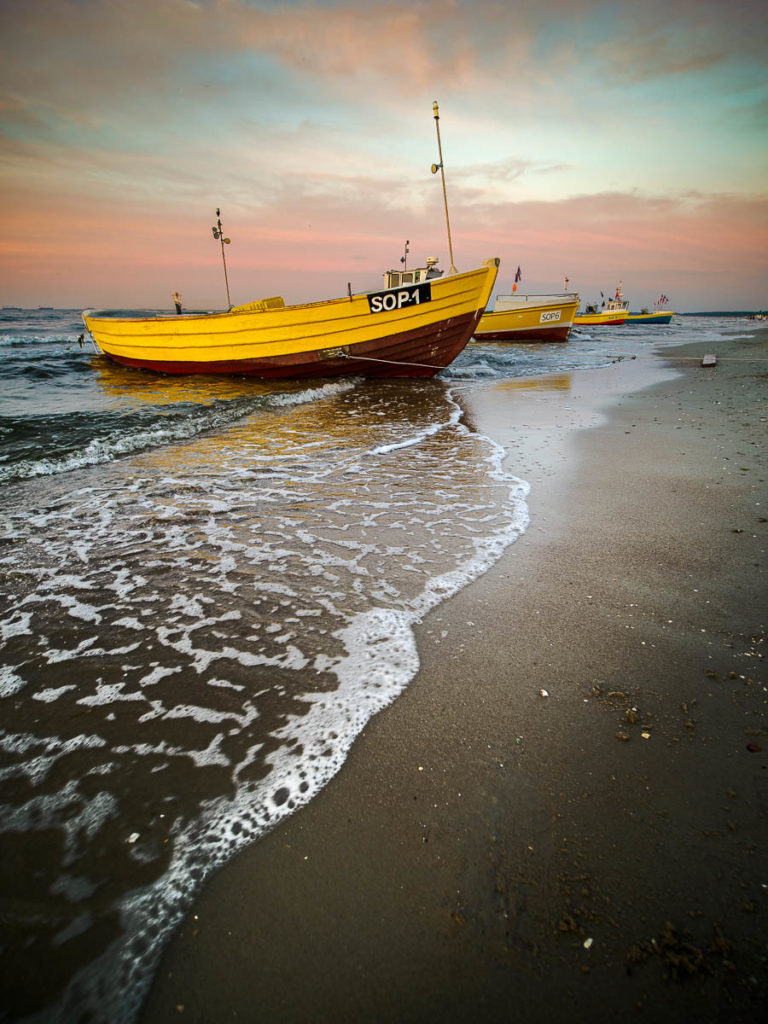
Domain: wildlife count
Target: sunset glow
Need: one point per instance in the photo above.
(604, 142)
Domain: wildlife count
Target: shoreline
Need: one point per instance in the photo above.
(489, 851)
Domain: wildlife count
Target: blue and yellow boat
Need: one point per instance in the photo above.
(657, 316)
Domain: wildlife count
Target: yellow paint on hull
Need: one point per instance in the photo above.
(266, 330)
(603, 319)
(528, 319)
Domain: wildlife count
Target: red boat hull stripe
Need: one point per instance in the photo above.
(559, 333)
(433, 347)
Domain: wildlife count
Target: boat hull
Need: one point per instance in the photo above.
(613, 313)
(406, 354)
(526, 319)
(401, 332)
(600, 319)
(650, 318)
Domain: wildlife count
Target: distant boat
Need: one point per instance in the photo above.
(12, 309)
(612, 313)
(529, 318)
(657, 316)
(46, 309)
(409, 331)
(606, 316)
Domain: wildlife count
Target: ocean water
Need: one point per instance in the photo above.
(208, 588)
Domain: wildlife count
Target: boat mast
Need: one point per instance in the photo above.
(218, 233)
(435, 169)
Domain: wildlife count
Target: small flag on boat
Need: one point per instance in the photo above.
(518, 277)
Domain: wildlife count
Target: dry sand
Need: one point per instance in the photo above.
(565, 815)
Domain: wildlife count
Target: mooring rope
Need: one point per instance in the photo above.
(96, 349)
(390, 362)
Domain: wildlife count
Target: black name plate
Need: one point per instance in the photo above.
(398, 298)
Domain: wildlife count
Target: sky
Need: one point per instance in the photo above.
(603, 142)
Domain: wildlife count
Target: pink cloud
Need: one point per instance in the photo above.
(704, 251)
(708, 250)
(308, 206)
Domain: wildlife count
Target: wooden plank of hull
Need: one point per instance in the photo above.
(430, 348)
(558, 332)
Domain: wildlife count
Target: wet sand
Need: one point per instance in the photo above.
(566, 814)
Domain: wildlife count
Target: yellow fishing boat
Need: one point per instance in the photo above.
(409, 331)
(593, 317)
(529, 318)
(414, 327)
(611, 313)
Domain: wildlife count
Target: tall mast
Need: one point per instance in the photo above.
(218, 232)
(435, 169)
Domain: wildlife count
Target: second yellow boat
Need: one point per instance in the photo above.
(529, 318)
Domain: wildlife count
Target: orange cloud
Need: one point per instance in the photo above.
(703, 251)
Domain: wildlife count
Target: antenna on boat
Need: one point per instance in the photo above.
(435, 169)
(218, 233)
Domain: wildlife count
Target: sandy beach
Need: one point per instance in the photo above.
(565, 816)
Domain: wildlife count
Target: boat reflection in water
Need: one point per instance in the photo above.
(127, 387)
(555, 382)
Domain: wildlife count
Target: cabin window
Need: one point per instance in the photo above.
(408, 278)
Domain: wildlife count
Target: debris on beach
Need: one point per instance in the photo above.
(680, 957)
(568, 925)
(710, 359)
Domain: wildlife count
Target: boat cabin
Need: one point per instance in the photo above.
(618, 302)
(398, 278)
